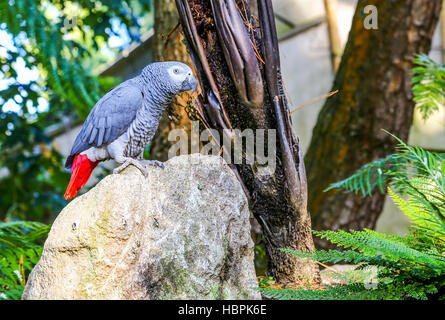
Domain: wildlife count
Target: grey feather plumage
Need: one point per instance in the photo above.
(109, 119)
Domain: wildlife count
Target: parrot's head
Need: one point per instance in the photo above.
(172, 77)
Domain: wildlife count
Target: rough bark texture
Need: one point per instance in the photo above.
(239, 72)
(181, 233)
(375, 93)
(169, 45)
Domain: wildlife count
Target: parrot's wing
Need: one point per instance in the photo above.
(109, 119)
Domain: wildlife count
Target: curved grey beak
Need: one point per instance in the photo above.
(194, 84)
(191, 83)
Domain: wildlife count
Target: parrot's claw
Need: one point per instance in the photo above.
(155, 163)
(134, 162)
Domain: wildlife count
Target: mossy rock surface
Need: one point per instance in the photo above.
(181, 233)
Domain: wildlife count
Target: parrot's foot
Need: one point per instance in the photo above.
(134, 162)
(155, 163)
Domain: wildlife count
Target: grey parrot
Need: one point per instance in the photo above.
(125, 120)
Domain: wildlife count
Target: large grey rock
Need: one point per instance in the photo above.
(181, 233)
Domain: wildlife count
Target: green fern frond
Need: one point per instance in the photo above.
(373, 175)
(333, 256)
(391, 248)
(429, 85)
(22, 234)
(337, 292)
(423, 216)
(396, 170)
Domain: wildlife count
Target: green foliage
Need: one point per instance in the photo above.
(19, 251)
(32, 178)
(372, 175)
(340, 292)
(67, 57)
(395, 170)
(429, 85)
(408, 267)
(265, 281)
(50, 43)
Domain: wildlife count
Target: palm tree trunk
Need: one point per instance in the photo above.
(226, 45)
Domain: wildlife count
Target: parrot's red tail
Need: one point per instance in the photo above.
(81, 172)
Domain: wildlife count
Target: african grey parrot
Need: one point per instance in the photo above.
(124, 120)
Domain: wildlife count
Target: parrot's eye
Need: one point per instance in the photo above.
(175, 71)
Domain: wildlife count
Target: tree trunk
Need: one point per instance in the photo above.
(374, 80)
(225, 45)
(169, 45)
